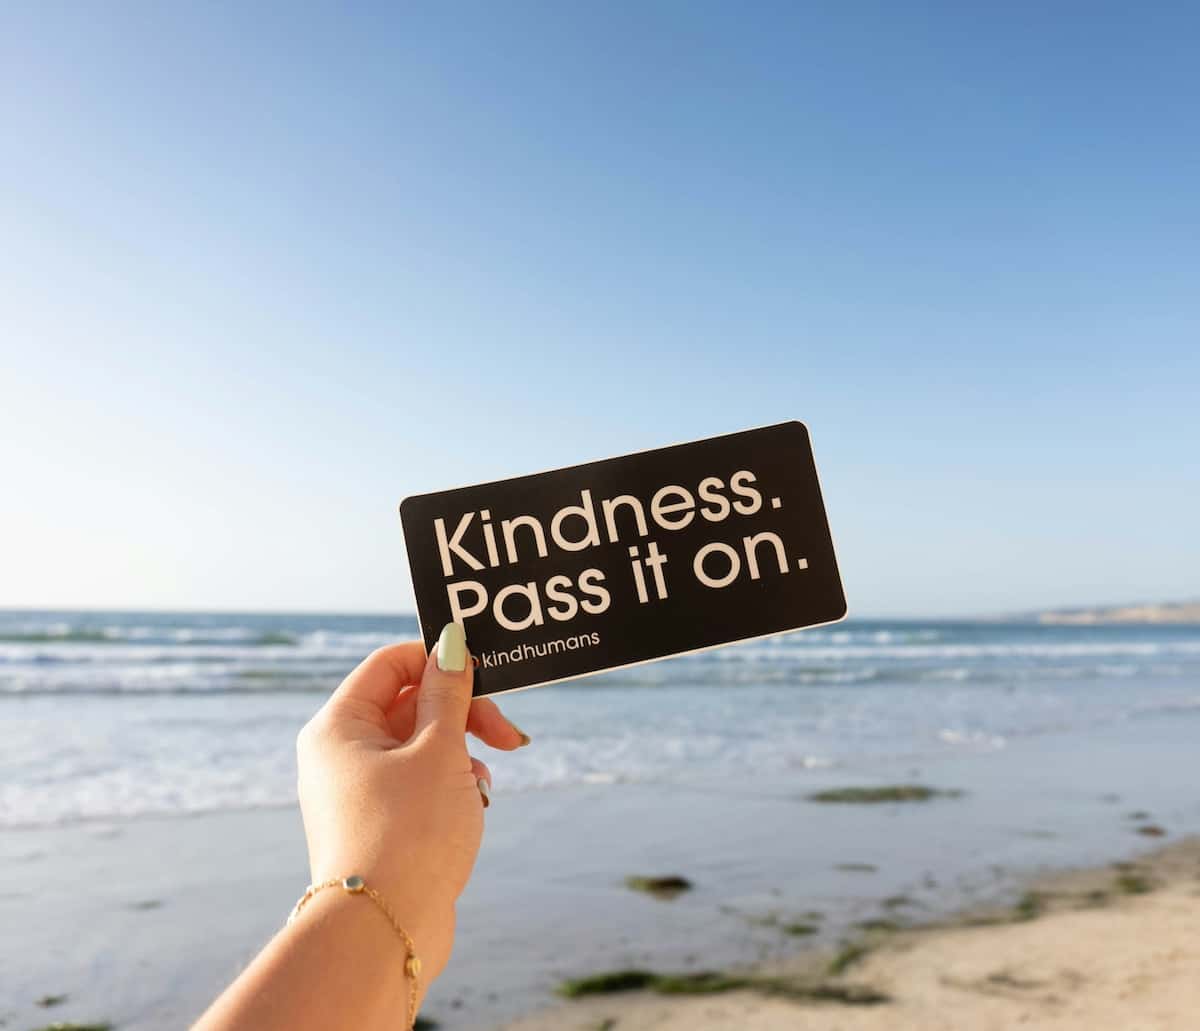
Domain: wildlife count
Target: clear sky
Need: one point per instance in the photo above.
(264, 272)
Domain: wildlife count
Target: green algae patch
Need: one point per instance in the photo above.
(879, 925)
(665, 888)
(705, 983)
(1133, 884)
(104, 1026)
(797, 926)
(606, 983)
(713, 982)
(802, 991)
(847, 956)
(899, 902)
(799, 929)
(882, 794)
(1029, 906)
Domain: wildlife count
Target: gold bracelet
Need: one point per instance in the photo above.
(355, 885)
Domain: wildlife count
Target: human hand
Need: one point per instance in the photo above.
(388, 790)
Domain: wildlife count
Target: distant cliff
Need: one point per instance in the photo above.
(1165, 612)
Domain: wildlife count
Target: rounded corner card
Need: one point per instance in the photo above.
(608, 564)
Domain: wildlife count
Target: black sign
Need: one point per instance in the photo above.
(607, 564)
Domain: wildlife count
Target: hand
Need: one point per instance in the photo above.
(388, 791)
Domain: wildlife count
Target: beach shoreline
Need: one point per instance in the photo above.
(150, 842)
(142, 922)
(1109, 946)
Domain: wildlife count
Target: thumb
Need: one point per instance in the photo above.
(444, 698)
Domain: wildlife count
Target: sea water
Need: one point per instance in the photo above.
(111, 715)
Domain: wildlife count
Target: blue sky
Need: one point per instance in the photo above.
(267, 271)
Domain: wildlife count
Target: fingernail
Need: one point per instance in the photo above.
(525, 738)
(452, 649)
(484, 792)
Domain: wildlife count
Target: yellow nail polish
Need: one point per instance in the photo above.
(484, 792)
(452, 648)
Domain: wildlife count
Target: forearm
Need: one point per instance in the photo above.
(340, 964)
(393, 814)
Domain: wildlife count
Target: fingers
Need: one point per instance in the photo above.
(403, 712)
(488, 723)
(484, 720)
(483, 780)
(444, 700)
(480, 769)
(379, 677)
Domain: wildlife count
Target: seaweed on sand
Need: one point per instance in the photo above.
(68, 1026)
(1029, 906)
(882, 794)
(712, 982)
(799, 929)
(1133, 884)
(664, 888)
(847, 956)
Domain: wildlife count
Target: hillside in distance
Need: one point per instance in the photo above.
(1160, 612)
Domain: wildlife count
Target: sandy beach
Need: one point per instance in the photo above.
(717, 481)
(141, 922)
(148, 855)
(1113, 947)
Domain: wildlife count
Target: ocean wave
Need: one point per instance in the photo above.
(845, 635)
(121, 635)
(253, 686)
(193, 673)
(123, 653)
(977, 739)
(1167, 706)
(56, 637)
(200, 714)
(975, 650)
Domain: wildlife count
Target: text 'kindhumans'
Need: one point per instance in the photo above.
(625, 560)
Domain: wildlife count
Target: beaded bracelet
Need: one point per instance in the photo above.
(355, 885)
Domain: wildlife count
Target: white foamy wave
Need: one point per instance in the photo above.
(811, 762)
(191, 713)
(600, 777)
(949, 673)
(1001, 650)
(972, 738)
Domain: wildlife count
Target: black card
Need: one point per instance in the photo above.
(607, 564)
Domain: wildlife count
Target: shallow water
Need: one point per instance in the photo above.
(105, 715)
(113, 728)
(176, 905)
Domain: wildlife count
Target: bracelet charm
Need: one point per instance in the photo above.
(355, 885)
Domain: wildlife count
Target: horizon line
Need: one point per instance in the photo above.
(1013, 616)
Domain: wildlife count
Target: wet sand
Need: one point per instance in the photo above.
(141, 922)
(1113, 947)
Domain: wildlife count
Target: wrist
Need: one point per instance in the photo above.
(361, 952)
(419, 927)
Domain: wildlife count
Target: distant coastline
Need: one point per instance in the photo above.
(1162, 612)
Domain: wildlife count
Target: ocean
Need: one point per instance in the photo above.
(106, 716)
